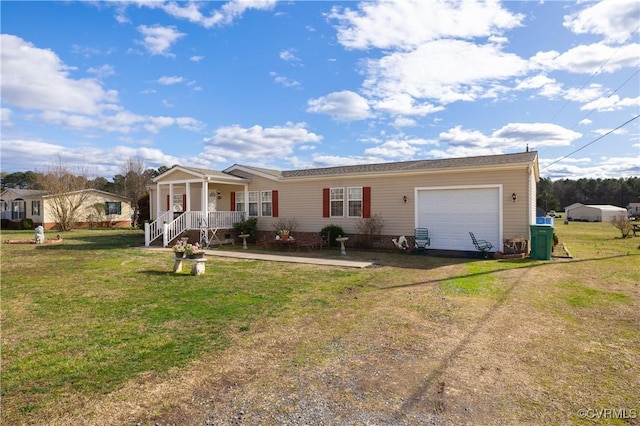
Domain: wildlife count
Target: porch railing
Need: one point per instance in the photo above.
(154, 229)
(186, 221)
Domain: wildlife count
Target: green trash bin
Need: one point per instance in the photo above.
(541, 242)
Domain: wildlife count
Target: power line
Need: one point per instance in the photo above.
(598, 71)
(593, 141)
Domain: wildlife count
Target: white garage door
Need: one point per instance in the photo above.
(451, 213)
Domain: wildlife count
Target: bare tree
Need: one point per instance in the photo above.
(67, 196)
(623, 224)
(132, 183)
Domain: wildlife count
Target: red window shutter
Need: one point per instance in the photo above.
(233, 201)
(184, 202)
(274, 203)
(168, 203)
(325, 203)
(366, 202)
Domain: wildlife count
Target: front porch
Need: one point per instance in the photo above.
(207, 223)
(186, 199)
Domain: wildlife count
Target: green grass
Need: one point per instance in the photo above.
(88, 315)
(91, 313)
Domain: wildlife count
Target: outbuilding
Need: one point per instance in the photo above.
(593, 213)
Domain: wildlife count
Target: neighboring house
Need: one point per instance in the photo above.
(492, 196)
(18, 204)
(593, 213)
(634, 209)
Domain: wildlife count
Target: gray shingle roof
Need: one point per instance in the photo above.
(407, 166)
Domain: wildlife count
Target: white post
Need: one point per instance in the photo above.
(187, 208)
(158, 201)
(165, 235)
(246, 201)
(147, 234)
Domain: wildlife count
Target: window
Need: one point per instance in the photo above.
(114, 207)
(266, 203)
(354, 199)
(337, 202)
(239, 201)
(35, 208)
(253, 203)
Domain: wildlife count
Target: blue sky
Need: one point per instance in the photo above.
(300, 84)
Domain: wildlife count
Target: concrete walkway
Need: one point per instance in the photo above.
(278, 258)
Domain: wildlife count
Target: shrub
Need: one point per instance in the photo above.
(285, 224)
(26, 223)
(247, 226)
(334, 231)
(369, 231)
(5, 223)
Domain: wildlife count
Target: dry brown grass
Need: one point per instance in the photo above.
(419, 341)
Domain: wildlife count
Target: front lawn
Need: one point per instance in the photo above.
(87, 321)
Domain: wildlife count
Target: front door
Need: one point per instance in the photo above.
(212, 204)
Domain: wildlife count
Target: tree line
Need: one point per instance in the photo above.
(558, 194)
(134, 178)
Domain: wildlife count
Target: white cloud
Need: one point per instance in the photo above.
(99, 161)
(34, 78)
(589, 168)
(5, 117)
(168, 80)
(511, 137)
(191, 11)
(342, 106)
(440, 71)
(102, 71)
(284, 81)
(408, 24)
(613, 19)
(196, 58)
(394, 150)
(158, 40)
(589, 58)
(403, 104)
(612, 103)
(289, 56)
(256, 143)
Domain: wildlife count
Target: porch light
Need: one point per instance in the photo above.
(404, 199)
(514, 197)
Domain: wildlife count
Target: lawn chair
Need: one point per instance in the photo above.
(421, 238)
(482, 246)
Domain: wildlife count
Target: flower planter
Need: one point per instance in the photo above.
(179, 254)
(196, 256)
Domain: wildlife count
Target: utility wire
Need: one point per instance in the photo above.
(593, 141)
(598, 71)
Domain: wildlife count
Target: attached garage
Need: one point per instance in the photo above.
(450, 213)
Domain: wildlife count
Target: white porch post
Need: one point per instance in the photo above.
(171, 200)
(246, 201)
(205, 200)
(187, 208)
(158, 210)
(147, 234)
